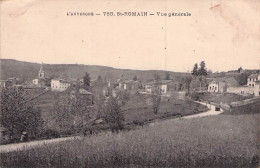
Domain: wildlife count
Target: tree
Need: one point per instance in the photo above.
(167, 76)
(86, 80)
(156, 97)
(135, 78)
(123, 96)
(194, 72)
(188, 80)
(18, 114)
(201, 72)
(100, 91)
(71, 112)
(156, 100)
(242, 78)
(113, 115)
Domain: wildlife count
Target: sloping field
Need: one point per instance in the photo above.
(216, 141)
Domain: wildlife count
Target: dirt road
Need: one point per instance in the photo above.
(211, 111)
(32, 144)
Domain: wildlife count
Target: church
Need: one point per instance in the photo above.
(41, 80)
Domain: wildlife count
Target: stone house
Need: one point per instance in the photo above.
(165, 86)
(220, 85)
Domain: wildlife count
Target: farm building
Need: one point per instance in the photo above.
(84, 95)
(164, 85)
(220, 85)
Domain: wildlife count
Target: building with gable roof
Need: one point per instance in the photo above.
(220, 85)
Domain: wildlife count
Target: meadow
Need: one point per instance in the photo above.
(213, 141)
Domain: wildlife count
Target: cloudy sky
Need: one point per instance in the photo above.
(225, 34)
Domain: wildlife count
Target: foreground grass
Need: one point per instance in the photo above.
(216, 141)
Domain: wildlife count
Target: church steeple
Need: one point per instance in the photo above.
(41, 72)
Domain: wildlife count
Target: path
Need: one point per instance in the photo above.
(32, 144)
(211, 111)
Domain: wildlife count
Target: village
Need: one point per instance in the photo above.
(167, 86)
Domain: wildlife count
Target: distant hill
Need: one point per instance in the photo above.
(28, 71)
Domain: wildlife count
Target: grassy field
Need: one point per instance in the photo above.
(139, 108)
(224, 98)
(216, 141)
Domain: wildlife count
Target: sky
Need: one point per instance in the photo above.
(224, 34)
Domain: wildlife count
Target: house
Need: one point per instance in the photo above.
(41, 80)
(252, 79)
(85, 95)
(250, 88)
(257, 88)
(164, 85)
(129, 85)
(220, 85)
(59, 84)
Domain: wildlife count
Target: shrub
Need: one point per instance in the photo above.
(50, 133)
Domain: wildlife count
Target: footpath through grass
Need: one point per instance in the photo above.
(215, 141)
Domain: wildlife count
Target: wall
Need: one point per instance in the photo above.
(241, 90)
(257, 90)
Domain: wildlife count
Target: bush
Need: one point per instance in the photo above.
(50, 133)
(139, 123)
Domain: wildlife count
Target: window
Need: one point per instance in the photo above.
(249, 84)
(253, 85)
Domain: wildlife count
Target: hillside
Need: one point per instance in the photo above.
(28, 71)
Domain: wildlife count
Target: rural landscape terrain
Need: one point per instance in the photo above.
(60, 115)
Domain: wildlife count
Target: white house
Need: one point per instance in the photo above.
(252, 79)
(59, 85)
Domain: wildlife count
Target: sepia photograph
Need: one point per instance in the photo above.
(129, 83)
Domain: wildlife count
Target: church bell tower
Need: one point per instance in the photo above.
(41, 72)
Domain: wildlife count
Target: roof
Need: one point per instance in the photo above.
(257, 82)
(82, 91)
(229, 81)
(61, 80)
(253, 76)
